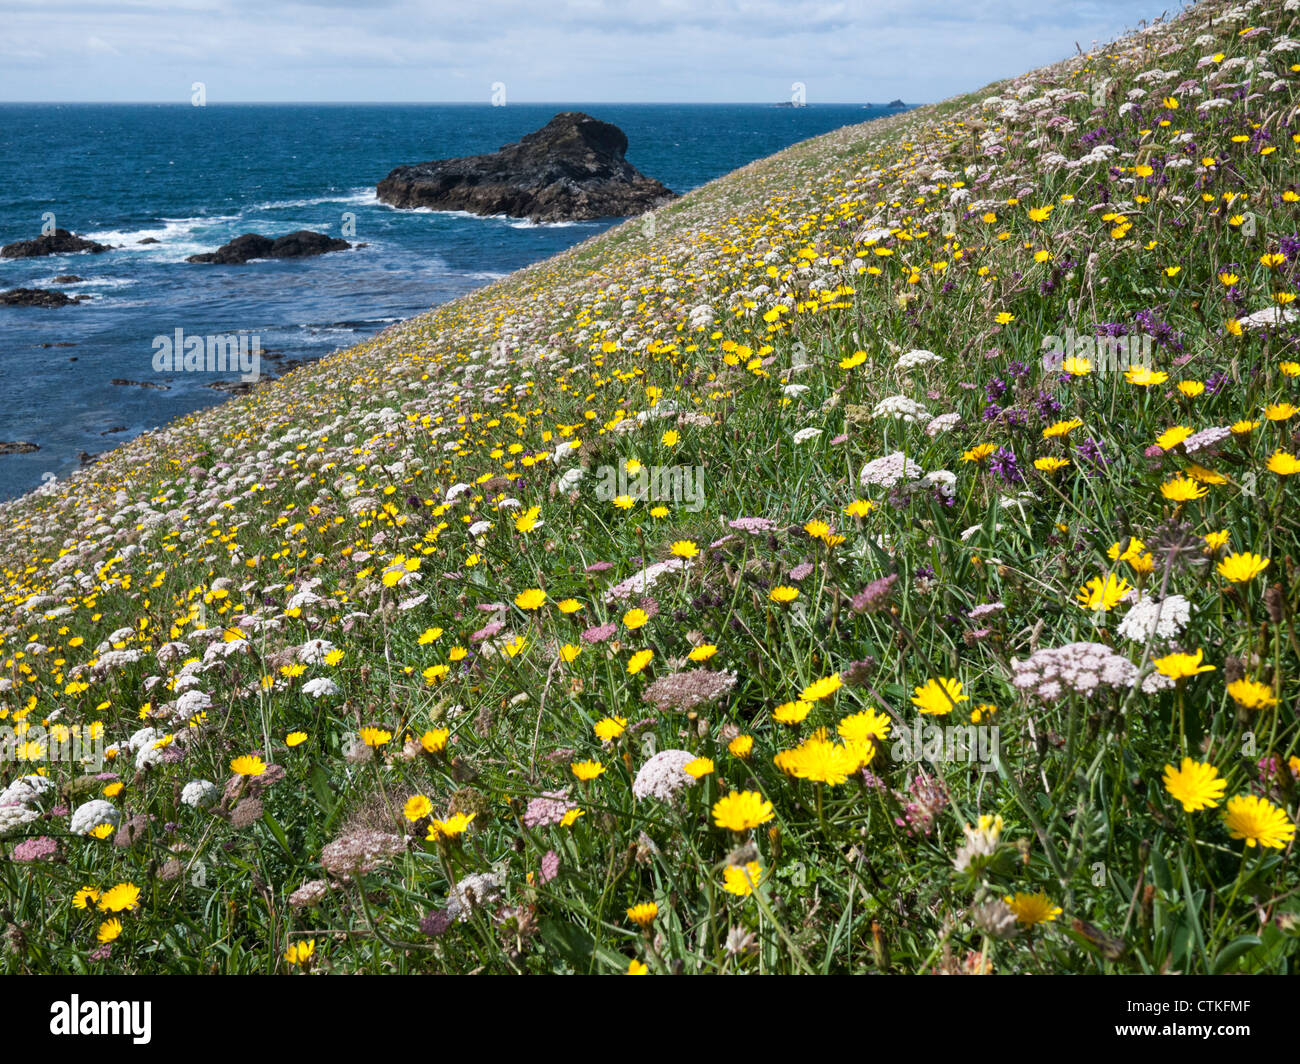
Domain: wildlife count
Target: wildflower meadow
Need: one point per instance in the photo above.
(884, 562)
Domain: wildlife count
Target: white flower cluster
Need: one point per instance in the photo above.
(1150, 618)
(321, 687)
(199, 794)
(900, 407)
(889, 470)
(1054, 673)
(478, 890)
(663, 775)
(92, 815)
(918, 357)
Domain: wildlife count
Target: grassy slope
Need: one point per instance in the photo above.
(180, 583)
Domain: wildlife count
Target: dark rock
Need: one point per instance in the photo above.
(149, 240)
(122, 382)
(37, 297)
(232, 387)
(61, 343)
(571, 169)
(115, 428)
(18, 447)
(68, 278)
(59, 242)
(896, 103)
(86, 458)
(301, 244)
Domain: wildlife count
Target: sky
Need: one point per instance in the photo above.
(538, 51)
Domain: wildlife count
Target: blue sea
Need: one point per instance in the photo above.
(192, 178)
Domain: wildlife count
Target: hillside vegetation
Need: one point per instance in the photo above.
(881, 560)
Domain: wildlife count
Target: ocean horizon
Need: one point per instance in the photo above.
(164, 181)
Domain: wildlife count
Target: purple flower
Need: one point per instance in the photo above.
(875, 595)
(550, 867)
(39, 849)
(435, 923)
(1005, 464)
(600, 633)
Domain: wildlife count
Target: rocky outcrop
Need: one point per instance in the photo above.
(571, 169)
(301, 244)
(37, 297)
(17, 447)
(59, 242)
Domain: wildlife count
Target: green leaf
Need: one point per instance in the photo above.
(1235, 949)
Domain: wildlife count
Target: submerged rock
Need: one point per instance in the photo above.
(302, 244)
(18, 447)
(573, 168)
(38, 297)
(59, 242)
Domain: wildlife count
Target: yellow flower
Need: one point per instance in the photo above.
(85, 897)
(569, 605)
(609, 728)
(671, 437)
(742, 881)
(248, 765)
(703, 652)
(636, 967)
(1050, 465)
(300, 953)
(1061, 428)
(417, 807)
(1258, 821)
(1243, 428)
(699, 768)
(858, 508)
(939, 696)
(783, 593)
(108, 930)
(119, 898)
(1215, 541)
(1033, 909)
(295, 738)
(435, 741)
(527, 520)
(741, 746)
(1196, 785)
(1076, 366)
(791, 712)
(639, 661)
(1251, 694)
(864, 726)
(569, 652)
(375, 737)
(823, 688)
(1283, 464)
(685, 548)
(636, 618)
(1103, 594)
(742, 810)
(1181, 489)
(451, 828)
(643, 915)
(1171, 438)
(1181, 666)
(1144, 377)
(1280, 411)
(979, 452)
(531, 599)
(586, 770)
(1242, 568)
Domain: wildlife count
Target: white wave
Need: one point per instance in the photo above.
(358, 197)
